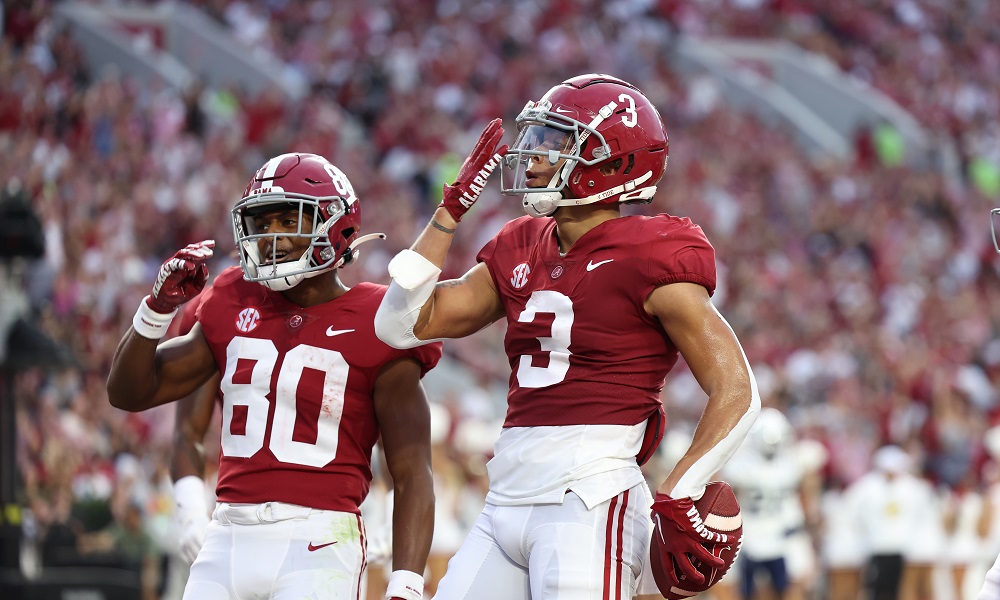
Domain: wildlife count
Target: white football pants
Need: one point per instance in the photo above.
(278, 551)
(553, 551)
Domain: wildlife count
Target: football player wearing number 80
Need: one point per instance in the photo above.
(306, 388)
(598, 307)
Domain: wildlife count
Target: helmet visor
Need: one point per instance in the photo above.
(540, 151)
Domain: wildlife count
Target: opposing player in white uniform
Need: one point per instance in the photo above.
(306, 387)
(598, 307)
(768, 476)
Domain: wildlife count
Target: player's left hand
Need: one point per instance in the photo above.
(191, 514)
(192, 537)
(687, 536)
(459, 197)
(181, 278)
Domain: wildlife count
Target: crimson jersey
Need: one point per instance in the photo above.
(581, 347)
(298, 419)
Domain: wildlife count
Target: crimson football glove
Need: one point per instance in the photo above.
(181, 278)
(463, 193)
(684, 534)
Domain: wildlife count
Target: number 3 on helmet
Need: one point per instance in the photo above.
(320, 192)
(606, 136)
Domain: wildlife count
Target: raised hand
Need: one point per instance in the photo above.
(684, 535)
(485, 156)
(181, 278)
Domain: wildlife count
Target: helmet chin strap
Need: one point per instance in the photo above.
(543, 204)
(280, 284)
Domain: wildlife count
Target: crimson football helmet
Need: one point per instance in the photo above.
(317, 189)
(590, 121)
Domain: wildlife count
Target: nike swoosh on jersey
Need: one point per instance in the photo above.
(313, 548)
(593, 265)
(559, 109)
(330, 331)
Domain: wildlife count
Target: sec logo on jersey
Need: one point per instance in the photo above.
(519, 276)
(248, 319)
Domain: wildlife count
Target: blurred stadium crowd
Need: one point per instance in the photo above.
(860, 289)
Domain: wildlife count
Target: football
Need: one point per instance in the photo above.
(721, 513)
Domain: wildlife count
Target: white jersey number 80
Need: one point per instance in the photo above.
(253, 396)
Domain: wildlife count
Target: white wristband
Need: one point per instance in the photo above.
(150, 324)
(405, 584)
(189, 494)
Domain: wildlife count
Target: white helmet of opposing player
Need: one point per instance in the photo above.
(771, 433)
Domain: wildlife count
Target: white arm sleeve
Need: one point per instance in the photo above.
(413, 281)
(692, 483)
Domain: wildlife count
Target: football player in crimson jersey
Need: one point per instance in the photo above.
(306, 389)
(598, 308)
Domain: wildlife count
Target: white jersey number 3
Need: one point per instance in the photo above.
(556, 344)
(253, 395)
